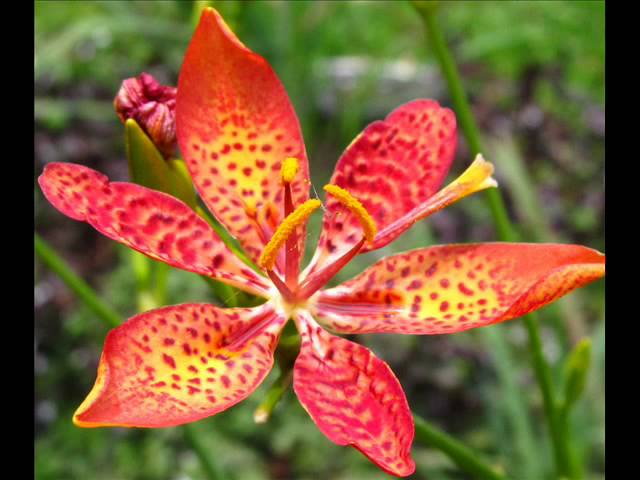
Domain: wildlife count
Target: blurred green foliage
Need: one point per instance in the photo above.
(535, 74)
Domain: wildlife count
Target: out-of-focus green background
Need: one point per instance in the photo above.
(534, 72)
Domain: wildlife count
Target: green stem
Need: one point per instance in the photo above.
(465, 118)
(505, 229)
(559, 440)
(273, 396)
(161, 278)
(142, 270)
(81, 288)
(225, 294)
(464, 457)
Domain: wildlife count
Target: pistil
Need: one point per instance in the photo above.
(288, 172)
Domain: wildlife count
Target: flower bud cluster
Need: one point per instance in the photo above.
(152, 106)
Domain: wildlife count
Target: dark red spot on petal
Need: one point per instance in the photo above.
(169, 360)
(217, 261)
(464, 289)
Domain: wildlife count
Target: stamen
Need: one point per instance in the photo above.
(289, 169)
(264, 232)
(284, 231)
(478, 176)
(353, 204)
(475, 178)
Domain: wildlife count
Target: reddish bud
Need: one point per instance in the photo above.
(152, 106)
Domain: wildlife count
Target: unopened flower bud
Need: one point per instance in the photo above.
(576, 371)
(152, 106)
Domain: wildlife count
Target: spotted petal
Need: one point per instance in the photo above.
(354, 398)
(235, 127)
(149, 221)
(179, 364)
(392, 167)
(447, 289)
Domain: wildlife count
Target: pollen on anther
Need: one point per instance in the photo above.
(289, 169)
(284, 231)
(369, 228)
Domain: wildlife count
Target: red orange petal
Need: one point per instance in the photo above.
(447, 289)
(235, 127)
(354, 398)
(391, 167)
(179, 364)
(149, 221)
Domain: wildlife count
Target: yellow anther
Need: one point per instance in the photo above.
(250, 208)
(349, 201)
(289, 169)
(478, 176)
(284, 231)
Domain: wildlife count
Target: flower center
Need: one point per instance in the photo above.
(286, 234)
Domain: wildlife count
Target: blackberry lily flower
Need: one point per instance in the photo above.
(241, 141)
